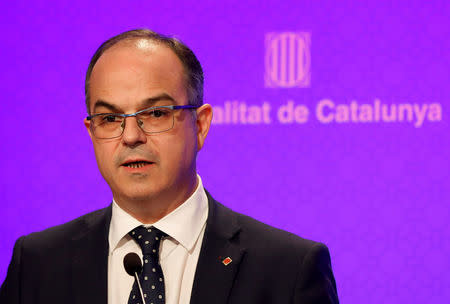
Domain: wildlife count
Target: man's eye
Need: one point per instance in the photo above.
(158, 113)
(109, 118)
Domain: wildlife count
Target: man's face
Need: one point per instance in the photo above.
(125, 80)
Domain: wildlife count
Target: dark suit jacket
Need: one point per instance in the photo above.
(68, 264)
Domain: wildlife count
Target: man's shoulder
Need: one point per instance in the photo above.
(254, 234)
(57, 235)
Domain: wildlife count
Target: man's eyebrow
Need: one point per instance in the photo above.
(152, 100)
(148, 102)
(105, 104)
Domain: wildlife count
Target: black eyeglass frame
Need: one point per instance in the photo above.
(172, 107)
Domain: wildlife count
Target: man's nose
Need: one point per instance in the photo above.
(132, 133)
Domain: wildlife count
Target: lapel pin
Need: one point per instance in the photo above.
(227, 261)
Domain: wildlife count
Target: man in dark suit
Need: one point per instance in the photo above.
(193, 249)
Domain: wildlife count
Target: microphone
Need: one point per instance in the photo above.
(133, 266)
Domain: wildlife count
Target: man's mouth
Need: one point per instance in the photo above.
(137, 164)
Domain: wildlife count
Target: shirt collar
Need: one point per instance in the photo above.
(183, 224)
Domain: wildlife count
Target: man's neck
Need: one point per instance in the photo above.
(152, 209)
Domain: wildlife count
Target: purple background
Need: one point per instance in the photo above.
(377, 193)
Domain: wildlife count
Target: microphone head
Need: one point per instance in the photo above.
(132, 263)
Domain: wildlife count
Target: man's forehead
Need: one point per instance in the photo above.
(139, 52)
(129, 67)
(142, 44)
(144, 48)
(145, 44)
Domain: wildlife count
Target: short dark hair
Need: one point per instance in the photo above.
(192, 67)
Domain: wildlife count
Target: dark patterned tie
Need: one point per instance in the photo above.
(151, 277)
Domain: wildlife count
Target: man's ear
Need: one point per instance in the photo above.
(87, 124)
(204, 118)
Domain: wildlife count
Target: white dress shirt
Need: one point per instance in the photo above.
(179, 251)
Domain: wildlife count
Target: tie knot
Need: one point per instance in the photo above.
(148, 239)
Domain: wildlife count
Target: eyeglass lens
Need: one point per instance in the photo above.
(154, 120)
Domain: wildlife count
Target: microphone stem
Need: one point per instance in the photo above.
(140, 288)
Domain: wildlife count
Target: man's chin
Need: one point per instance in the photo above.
(140, 195)
(135, 192)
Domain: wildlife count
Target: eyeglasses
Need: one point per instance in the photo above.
(150, 120)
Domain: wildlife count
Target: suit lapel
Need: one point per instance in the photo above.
(213, 278)
(90, 259)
